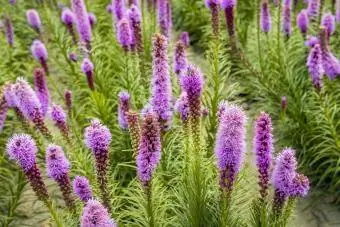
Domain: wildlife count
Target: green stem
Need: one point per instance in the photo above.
(149, 205)
(279, 32)
(258, 35)
(53, 212)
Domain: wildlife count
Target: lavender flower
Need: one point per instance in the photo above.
(161, 84)
(213, 5)
(82, 22)
(87, 68)
(286, 18)
(9, 31)
(149, 149)
(95, 214)
(311, 41)
(124, 34)
(22, 149)
(59, 118)
(39, 52)
(3, 111)
(229, 6)
(9, 95)
(57, 167)
(314, 64)
(133, 122)
(180, 59)
(68, 19)
(92, 19)
(263, 148)
(302, 21)
(184, 37)
(182, 106)
(33, 19)
(313, 8)
(230, 145)
(109, 8)
(82, 188)
(68, 100)
(118, 9)
(328, 21)
(41, 89)
(135, 23)
(300, 186)
(163, 17)
(124, 106)
(266, 21)
(98, 139)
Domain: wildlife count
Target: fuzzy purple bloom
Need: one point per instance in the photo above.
(33, 19)
(180, 59)
(41, 89)
(149, 153)
(300, 186)
(230, 145)
(39, 51)
(9, 95)
(302, 21)
(59, 118)
(313, 8)
(9, 31)
(95, 215)
(118, 9)
(124, 33)
(182, 106)
(135, 24)
(263, 148)
(163, 17)
(311, 41)
(82, 188)
(3, 111)
(87, 68)
(210, 3)
(57, 164)
(82, 21)
(124, 106)
(266, 21)
(92, 19)
(213, 6)
(192, 82)
(109, 8)
(73, 57)
(328, 21)
(68, 100)
(229, 7)
(228, 3)
(315, 68)
(184, 37)
(286, 18)
(67, 17)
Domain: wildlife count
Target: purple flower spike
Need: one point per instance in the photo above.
(68, 100)
(315, 68)
(3, 111)
(95, 215)
(82, 22)
(67, 17)
(118, 9)
(9, 31)
(109, 8)
(82, 188)
(313, 8)
(302, 21)
(135, 23)
(92, 19)
(33, 19)
(22, 149)
(59, 118)
(41, 89)
(182, 107)
(263, 148)
(149, 149)
(328, 21)
(180, 59)
(286, 18)
(124, 34)
(124, 107)
(9, 95)
(266, 21)
(229, 7)
(184, 37)
(39, 52)
(300, 186)
(230, 145)
(311, 41)
(87, 67)
(163, 17)
(161, 93)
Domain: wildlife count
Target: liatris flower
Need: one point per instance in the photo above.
(163, 17)
(134, 129)
(337, 11)
(311, 41)
(184, 37)
(328, 21)
(149, 153)
(87, 68)
(118, 9)
(230, 145)
(22, 149)
(33, 19)
(3, 112)
(59, 118)
(98, 139)
(161, 83)
(283, 176)
(9, 31)
(313, 8)
(41, 89)
(124, 34)
(182, 107)
(28, 103)
(39, 52)
(213, 5)
(315, 68)
(286, 18)
(82, 22)
(302, 21)
(266, 21)
(300, 186)
(263, 148)
(68, 100)
(68, 18)
(229, 6)
(109, 8)
(95, 214)
(124, 106)
(82, 188)
(135, 23)
(92, 19)
(73, 57)
(57, 167)
(180, 59)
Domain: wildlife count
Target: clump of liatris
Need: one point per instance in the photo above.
(57, 168)
(87, 68)
(315, 68)
(34, 20)
(22, 149)
(124, 34)
(3, 111)
(59, 118)
(149, 153)
(82, 188)
(302, 22)
(82, 22)
(41, 89)
(29, 105)
(328, 21)
(39, 52)
(230, 145)
(92, 19)
(98, 139)
(134, 129)
(124, 106)
(135, 23)
(163, 17)
(213, 5)
(95, 214)
(161, 93)
(266, 21)
(313, 8)
(180, 59)
(286, 18)
(263, 149)
(68, 100)
(68, 19)
(9, 31)
(229, 11)
(184, 37)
